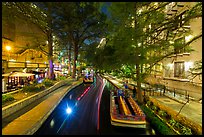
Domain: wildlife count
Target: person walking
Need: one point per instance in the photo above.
(126, 86)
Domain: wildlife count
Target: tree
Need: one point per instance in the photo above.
(196, 71)
(64, 46)
(142, 35)
(82, 22)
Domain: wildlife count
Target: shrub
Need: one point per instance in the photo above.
(154, 108)
(178, 125)
(48, 82)
(31, 88)
(149, 103)
(162, 113)
(186, 131)
(159, 126)
(7, 98)
(172, 122)
(40, 86)
(61, 78)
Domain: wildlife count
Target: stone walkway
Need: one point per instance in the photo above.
(28, 123)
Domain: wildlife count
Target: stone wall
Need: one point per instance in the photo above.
(10, 109)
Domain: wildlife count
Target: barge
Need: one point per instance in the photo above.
(124, 111)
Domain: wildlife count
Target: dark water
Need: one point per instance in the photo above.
(56, 120)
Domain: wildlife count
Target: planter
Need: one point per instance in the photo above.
(156, 123)
(177, 127)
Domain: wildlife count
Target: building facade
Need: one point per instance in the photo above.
(175, 73)
(20, 42)
(20, 48)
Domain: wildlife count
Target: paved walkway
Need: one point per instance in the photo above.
(192, 110)
(28, 123)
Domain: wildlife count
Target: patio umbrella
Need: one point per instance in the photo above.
(17, 74)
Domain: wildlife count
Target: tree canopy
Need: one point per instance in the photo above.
(141, 34)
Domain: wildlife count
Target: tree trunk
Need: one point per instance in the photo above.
(50, 57)
(139, 92)
(69, 60)
(75, 59)
(50, 48)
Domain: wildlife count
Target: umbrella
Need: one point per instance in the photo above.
(17, 74)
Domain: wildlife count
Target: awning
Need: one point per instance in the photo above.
(17, 74)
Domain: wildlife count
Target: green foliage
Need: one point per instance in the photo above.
(177, 125)
(31, 88)
(154, 108)
(149, 103)
(159, 126)
(48, 82)
(162, 113)
(172, 122)
(40, 86)
(196, 70)
(186, 131)
(140, 33)
(61, 78)
(79, 25)
(7, 98)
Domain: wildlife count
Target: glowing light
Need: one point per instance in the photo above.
(188, 65)
(170, 65)
(188, 38)
(69, 110)
(40, 81)
(52, 123)
(70, 97)
(85, 91)
(8, 48)
(12, 60)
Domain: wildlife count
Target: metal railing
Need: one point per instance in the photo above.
(161, 90)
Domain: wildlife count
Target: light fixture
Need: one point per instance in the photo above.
(12, 60)
(170, 65)
(8, 48)
(188, 65)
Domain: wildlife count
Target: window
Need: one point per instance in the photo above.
(179, 69)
